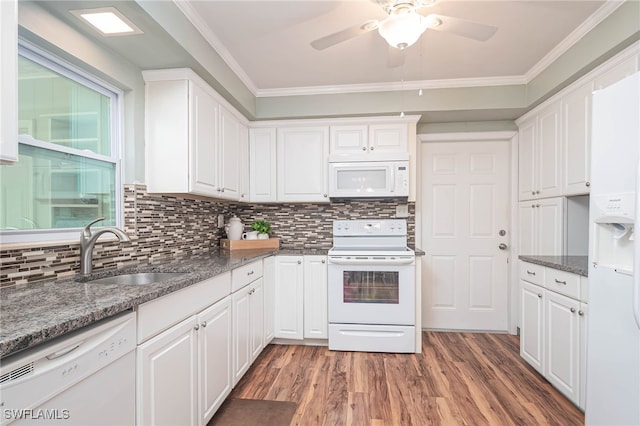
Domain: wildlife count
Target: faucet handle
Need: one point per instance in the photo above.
(86, 228)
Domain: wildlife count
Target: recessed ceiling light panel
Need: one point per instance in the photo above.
(108, 21)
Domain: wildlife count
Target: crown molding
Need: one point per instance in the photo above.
(204, 29)
(393, 86)
(589, 24)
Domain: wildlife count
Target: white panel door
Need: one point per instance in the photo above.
(289, 299)
(526, 160)
(549, 227)
(527, 227)
(241, 324)
(262, 164)
(348, 139)
(465, 204)
(549, 153)
(576, 128)
(229, 155)
(532, 325)
(388, 137)
(256, 295)
(269, 282)
(316, 322)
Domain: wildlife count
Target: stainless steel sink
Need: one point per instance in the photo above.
(140, 278)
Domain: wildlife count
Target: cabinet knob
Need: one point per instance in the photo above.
(533, 192)
(364, 148)
(325, 195)
(371, 148)
(196, 327)
(222, 190)
(572, 310)
(537, 205)
(540, 295)
(581, 313)
(299, 262)
(533, 206)
(323, 261)
(537, 192)
(204, 323)
(587, 183)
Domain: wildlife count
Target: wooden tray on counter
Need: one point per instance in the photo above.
(271, 243)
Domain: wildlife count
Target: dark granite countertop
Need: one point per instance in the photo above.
(37, 312)
(574, 264)
(419, 252)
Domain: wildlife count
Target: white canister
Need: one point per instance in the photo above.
(234, 228)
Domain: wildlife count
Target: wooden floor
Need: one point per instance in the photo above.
(460, 378)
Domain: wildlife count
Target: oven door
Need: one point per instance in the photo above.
(372, 290)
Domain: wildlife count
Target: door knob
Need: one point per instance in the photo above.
(502, 246)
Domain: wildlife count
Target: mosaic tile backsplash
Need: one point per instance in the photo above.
(162, 226)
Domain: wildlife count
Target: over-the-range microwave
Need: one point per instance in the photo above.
(368, 179)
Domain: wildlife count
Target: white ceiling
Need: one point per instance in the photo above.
(267, 43)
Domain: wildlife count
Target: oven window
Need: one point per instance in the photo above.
(371, 287)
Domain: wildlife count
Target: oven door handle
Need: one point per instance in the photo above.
(367, 261)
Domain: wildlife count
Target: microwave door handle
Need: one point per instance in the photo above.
(393, 178)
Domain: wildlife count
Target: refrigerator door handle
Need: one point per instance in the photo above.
(636, 256)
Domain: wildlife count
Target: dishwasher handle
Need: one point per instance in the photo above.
(407, 260)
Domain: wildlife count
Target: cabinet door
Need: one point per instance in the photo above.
(214, 357)
(229, 160)
(262, 165)
(166, 377)
(349, 139)
(388, 137)
(243, 165)
(549, 227)
(561, 342)
(549, 152)
(289, 300)
(9, 82)
(268, 281)
(527, 227)
(526, 159)
(532, 325)
(302, 164)
(316, 322)
(257, 317)
(241, 332)
(582, 349)
(203, 116)
(576, 125)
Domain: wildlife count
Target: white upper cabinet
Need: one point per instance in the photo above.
(193, 142)
(262, 165)
(576, 125)
(541, 228)
(243, 165)
(229, 151)
(302, 155)
(9, 81)
(540, 154)
(348, 139)
(617, 70)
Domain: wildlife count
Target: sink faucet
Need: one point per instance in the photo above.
(88, 240)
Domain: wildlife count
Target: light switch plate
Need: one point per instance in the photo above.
(402, 210)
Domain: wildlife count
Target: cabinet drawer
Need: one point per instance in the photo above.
(532, 273)
(562, 282)
(160, 314)
(245, 274)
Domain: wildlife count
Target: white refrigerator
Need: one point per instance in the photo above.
(613, 324)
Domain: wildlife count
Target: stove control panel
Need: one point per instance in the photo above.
(372, 227)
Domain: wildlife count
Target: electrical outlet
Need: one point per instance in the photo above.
(402, 210)
(220, 220)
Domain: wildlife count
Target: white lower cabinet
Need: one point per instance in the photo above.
(301, 297)
(553, 328)
(184, 373)
(248, 319)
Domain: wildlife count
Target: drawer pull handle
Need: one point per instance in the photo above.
(250, 273)
(572, 310)
(560, 282)
(530, 273)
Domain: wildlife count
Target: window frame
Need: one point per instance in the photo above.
(116, 118)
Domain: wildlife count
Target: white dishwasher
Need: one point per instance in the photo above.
(86, 377)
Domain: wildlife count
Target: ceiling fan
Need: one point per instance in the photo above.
(406, 23)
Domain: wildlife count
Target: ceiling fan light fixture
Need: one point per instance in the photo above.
(401, 30)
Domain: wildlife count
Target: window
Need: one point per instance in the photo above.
(67, 172)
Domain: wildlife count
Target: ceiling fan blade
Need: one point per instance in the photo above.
(344, 35)
(462, 27)
(395, 57)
